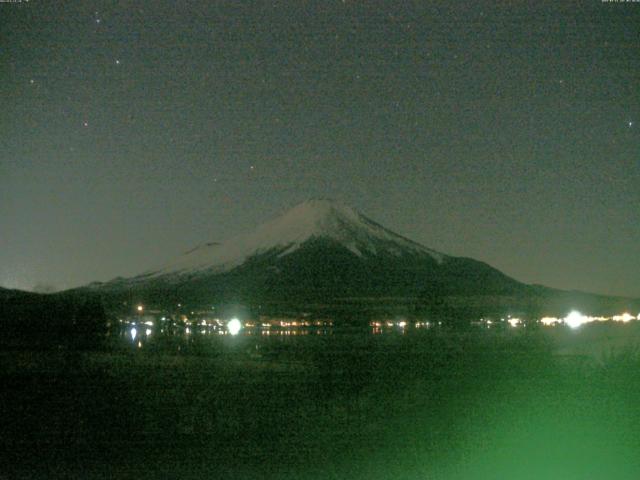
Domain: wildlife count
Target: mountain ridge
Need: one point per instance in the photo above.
(326, 253)
(309, 219)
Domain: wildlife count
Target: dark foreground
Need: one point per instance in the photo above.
(427, 405)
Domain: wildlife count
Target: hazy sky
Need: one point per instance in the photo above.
(132, 131)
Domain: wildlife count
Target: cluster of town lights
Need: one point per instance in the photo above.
(575, 319)
(234, 326)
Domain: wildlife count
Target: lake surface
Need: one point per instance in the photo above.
(346, 404)
(595, 340)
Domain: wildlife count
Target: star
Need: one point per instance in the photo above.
(85, 124)
(32, 81)
(630, 123)
(117, 62)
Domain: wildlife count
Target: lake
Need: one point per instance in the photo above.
(428, 403)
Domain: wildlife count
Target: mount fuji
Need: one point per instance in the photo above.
(325, 255)
(313, 220)
(320, 252)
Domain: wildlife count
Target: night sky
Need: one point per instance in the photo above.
(132, 131)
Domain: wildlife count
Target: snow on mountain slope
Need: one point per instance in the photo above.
(287, 233)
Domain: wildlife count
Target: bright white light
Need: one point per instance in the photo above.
(133, 333)
(514, 322)
(402, 324)
(140, 308)
(234, 326)
(149, 323)
(625, 317)
(148, 331)
(575, 319)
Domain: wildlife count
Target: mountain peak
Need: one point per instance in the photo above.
(318, 218)
(322, 207)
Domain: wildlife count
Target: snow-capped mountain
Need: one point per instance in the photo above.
(313, 219)
(319, 252)
(326, 257)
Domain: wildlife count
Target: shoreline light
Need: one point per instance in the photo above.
(549, 320)
(575, 319)
(625, 317)
(234, 326)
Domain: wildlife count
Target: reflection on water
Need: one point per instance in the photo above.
(259, 340)
(200, 325)
(174, 336)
